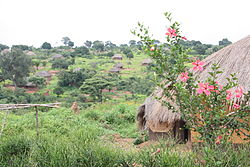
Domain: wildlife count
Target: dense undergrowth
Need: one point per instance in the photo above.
(66, 139)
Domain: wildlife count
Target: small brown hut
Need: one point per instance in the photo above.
(117, 57)
(160, 122)
(146, 62)
(115, 70)
(57, 56)
(118, 65)
(44, 74)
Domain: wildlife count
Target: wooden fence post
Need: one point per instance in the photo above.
(37, 126)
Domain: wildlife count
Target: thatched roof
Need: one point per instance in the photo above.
(30, 53)
(115, 70)
(57, 56)
(234, 58)
(5, 51)
(118, 65)
(43, 74)
(117, 57)
(146, 62)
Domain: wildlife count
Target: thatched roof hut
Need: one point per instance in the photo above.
(44, 74)
(115, 70)
(146, 62)
(161, 122)
(117, 57)
(57, 56)
(118, 65)
(30, 53)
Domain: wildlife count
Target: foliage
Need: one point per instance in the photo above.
(62, 63)
(224, 42)
(46, 45)
(74, 78)
(98, 46)
(2, 47)
(15, 65)
(204, 105)
(38, 81)
(58, 91)
(21, 47)
(94, 86)
(81, 50)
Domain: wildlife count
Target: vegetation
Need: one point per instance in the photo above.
(104, 132)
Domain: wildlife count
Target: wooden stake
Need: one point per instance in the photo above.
(37, 126)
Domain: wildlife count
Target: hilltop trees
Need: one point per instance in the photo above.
(2, 47)
(15, 65)
(46, 45)
(224, 42)
(67, 42)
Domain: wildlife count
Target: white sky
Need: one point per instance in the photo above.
(33, 22)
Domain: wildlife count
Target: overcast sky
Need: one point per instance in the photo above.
(33, 22)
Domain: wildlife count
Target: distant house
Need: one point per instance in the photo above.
(146, 62)
(57, 56)
(117, 57)
(115, 70)
(118, 65)
(5, 51)
(44, 74)
(30, 53)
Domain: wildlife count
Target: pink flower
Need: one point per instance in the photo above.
(184, 76)
(171, 32)
(152, 48)
(239, 92)
(205, 88)
(198, 65)
(237, 106)
(219, 137)
(229, 94)
(184, 38)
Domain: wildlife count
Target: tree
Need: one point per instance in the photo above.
(94, 86)
(2, 47)
(88, 44)
(36, 63)
(46, 45)
(61, 63)
(58, 91)
(74, 78)
(224, 42)
(38, 81)
(66, 41)
(81, 50)
(132, 43)
(98, 46)
(15, 65)
(109, 45)
(21, 47)
(71, 44)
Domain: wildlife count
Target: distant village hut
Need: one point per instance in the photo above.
(30, 53)
(117, 57)
(115, 70)
(44, 74)
(146, 62)
(118, 65)
(57, 56)
(160, 122)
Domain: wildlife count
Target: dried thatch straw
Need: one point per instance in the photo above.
(234, 58)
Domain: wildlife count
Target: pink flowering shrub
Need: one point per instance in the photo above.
(209, 108)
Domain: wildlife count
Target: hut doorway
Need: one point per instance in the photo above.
(180, 132)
